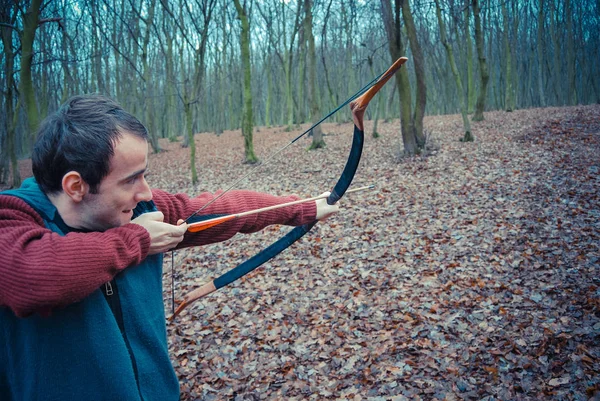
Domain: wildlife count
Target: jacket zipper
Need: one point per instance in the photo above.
(111, 293)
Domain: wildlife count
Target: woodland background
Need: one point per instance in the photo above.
(470, 273)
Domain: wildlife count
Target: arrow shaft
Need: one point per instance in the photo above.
(206, 224)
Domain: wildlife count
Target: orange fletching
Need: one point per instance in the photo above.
(204, 225)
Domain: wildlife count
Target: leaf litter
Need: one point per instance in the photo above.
(470, 273)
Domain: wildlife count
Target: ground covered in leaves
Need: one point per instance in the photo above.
(471, 272)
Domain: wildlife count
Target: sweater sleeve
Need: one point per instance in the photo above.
(41, 270)
(180, 206)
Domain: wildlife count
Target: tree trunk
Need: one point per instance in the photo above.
(509, 99)
(247, 119)
(222, 117)
(9, 152)
(289, 58)
(471, 95)
(483, 69)
(419, 63)
(313, 95)
(333, 99)
(391, 21)
(185, 99)
(189, 126)
(171, 124)
(289, 99)
(556, 59)
(148, 95)
(269, 91)
(96, 82)
(390, 102)
(67, 74)
(468, 137)
(540, 53)
(570, 54)
(301, 80)
(30, 24)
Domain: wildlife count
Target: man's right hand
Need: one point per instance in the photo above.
(163, 236)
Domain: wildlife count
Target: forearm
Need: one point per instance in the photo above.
(181, 206)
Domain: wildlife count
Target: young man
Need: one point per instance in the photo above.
(81, 309)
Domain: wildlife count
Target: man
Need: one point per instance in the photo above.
(81, 310)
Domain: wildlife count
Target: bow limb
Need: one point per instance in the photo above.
(280, 245)
(358, 107)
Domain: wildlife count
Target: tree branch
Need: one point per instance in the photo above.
(57, 19)
(8, 25)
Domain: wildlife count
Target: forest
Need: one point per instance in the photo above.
(189, 66)
(469, 272)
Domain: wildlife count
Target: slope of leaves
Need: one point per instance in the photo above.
(470, 273)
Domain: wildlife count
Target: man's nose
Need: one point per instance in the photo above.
(144, 193)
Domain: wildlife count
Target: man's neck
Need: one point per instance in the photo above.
(67, 209)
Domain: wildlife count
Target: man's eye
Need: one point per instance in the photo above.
(136, 178)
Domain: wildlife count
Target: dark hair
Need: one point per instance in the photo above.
(80, 136)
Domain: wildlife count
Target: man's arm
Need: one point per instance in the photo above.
(180, 206)
(41, 270)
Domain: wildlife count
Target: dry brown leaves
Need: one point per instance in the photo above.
(470, 273)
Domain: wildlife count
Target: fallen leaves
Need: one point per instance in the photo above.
(471, 274)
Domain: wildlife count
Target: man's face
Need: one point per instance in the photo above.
(121, 190)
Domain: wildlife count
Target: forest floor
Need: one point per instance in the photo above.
(470, 272)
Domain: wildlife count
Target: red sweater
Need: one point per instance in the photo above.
(41, 270)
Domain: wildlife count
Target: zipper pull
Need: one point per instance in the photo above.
(108, 288)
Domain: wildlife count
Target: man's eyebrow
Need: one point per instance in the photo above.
(132, 175)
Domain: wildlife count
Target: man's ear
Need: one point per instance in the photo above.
(74, 186)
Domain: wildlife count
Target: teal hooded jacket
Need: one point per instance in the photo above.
(112, 345)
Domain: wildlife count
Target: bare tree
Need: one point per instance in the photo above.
(471, 96)
(8, 17)
(26, 90)
(393, 28)
(483, 69)
(468, 136)
(313, 96)
(540, 52)
(419, 63)
(247, 119)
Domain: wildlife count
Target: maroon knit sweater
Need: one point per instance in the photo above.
(41, 270)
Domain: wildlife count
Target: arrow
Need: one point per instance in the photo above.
(206, 224)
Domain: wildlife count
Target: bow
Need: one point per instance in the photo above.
(358, 106)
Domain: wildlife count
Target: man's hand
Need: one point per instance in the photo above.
(163, 236)
(324, 210)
